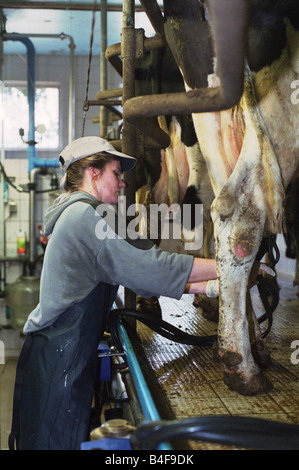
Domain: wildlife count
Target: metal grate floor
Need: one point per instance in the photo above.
(190, 381)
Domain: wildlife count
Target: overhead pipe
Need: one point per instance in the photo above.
(229, 43)
(31, 60)
(34, 163)
(52, 5)
(31, 151)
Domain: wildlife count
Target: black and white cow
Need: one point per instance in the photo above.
(251, 151)
(247, 128)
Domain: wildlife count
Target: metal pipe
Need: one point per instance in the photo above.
(33, 160)
(32, 229)
(31, 151)
(129, 144)
(71, 130)
(103, 72)
(115, 93)
(32, 248)
(230, 65)
(155, 16)
(36, 5)
(34, 163)
(72, 46)
(147, 404)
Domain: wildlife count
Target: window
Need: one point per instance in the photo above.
(16, 116)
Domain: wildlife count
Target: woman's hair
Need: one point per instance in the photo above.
(73, 177)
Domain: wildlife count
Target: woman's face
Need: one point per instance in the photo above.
(108, 184)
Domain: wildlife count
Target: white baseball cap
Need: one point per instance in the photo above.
(86, 146)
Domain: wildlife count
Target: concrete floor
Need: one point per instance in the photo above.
(191, 380)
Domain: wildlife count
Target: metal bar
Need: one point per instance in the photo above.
(60, 6)
(129, 144)
(71, 130)
(103, 72)
(154, 15)
(147, 404)
(102, 102)
(103, 94)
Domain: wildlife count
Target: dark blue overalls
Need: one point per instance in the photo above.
(56, 375)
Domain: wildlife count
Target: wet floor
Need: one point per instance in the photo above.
(189, 381)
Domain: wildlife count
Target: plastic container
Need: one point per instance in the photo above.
(21, 243)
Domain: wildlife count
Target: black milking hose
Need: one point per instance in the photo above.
(253, 433)
(267, 290)
(159, 326)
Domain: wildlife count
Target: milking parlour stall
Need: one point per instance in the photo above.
(211, 112)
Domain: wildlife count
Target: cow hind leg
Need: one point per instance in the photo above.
(241, 350)
(238, 233)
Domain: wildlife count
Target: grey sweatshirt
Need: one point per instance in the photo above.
(85, 250)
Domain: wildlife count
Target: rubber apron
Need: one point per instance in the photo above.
(56, 375)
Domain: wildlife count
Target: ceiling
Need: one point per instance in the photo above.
(71, 17)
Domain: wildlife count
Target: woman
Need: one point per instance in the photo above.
(79, 281)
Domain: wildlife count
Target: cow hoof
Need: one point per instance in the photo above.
(210, 307)
(256, 385)
(261, 354)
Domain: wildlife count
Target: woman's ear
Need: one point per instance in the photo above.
(93, 172)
